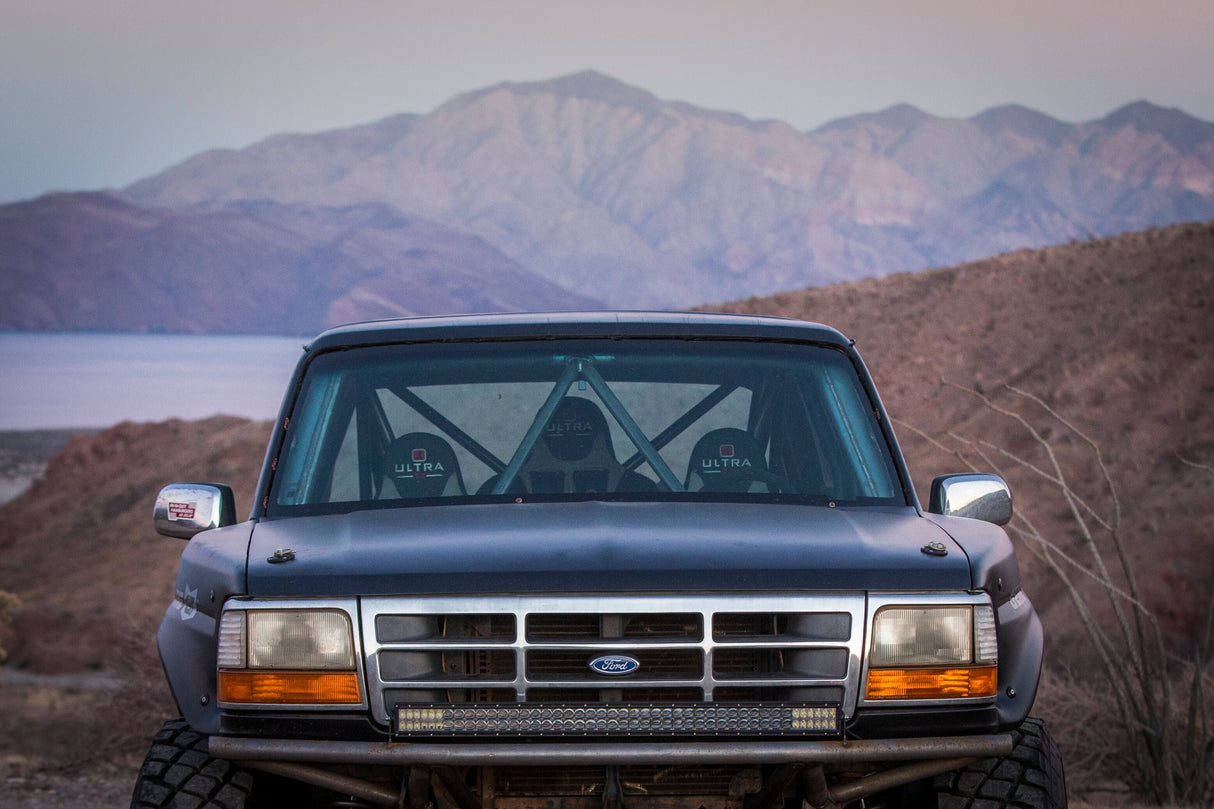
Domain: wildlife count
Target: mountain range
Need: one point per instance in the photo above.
(584, 191)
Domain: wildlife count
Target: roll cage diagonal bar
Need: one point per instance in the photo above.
(537, 425)
(582, 368)
(600, 386)
(445, 424)
(680, 424)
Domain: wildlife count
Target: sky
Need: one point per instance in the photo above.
(99, 93)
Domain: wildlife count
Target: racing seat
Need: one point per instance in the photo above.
(420, 465)
(575, 455)
(728, 460)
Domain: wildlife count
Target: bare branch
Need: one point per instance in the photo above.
(1168, 736)
(1104, 469)
(1194, 464)
(1084, 530)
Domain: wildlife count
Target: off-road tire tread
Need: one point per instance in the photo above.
(178, 774)
(1031, 777)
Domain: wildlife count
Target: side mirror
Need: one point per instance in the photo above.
(184, 509)
(981, 497)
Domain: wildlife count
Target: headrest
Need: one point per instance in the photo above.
(575, 426)
(725, 460)
(421, 465)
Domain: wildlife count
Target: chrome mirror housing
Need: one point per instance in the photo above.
(978, 496)
(184, 509)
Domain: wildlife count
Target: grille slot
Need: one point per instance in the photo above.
(538, 649)
(742, 626)
(481, 664)
(780, 663)
(581, 626)
(455, 628)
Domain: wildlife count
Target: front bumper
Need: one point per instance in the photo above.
(582, 753)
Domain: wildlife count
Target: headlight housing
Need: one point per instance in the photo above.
(287, 656)
(932, 652)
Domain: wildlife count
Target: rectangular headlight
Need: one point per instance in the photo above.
(922, 636)
(299, 639)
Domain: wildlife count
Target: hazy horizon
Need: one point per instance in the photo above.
(99, 99)
(56, 380)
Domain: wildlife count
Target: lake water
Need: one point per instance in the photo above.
(81, 379)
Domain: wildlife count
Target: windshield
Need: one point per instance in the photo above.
(576, 419)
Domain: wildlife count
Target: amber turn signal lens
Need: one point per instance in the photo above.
(931, 683)
(290, 687)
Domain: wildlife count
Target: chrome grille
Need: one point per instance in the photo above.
(538, 649)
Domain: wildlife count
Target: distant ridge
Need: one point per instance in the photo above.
(899, 116)
(611, 192)
(97, 262)
(1182, 131)
(585, 191)
(1020, 120)
(588, 85)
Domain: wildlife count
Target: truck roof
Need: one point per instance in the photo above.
(577, 324)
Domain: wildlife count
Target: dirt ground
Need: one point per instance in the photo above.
(61, 790)
(73, 740)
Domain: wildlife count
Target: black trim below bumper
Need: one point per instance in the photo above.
(894, 723)
(320, 725)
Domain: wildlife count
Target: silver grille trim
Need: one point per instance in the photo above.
(444, 649)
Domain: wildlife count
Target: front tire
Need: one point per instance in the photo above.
(177, 772)
(1031, 777)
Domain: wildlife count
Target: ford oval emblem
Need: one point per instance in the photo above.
(614, 665)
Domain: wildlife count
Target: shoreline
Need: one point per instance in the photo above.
(12, 487)
(24, 455)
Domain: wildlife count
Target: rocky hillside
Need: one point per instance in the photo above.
(1115, 336)
(78, 547)
(97, 262)
(613, 193)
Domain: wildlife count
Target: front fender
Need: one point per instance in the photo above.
(994, 569)
(211, 570)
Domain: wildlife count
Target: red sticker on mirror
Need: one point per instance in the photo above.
(181, 511)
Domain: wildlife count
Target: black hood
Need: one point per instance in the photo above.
(603, 547)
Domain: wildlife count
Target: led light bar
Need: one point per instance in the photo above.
(632, 719)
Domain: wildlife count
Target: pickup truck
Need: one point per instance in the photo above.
(595, 561)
